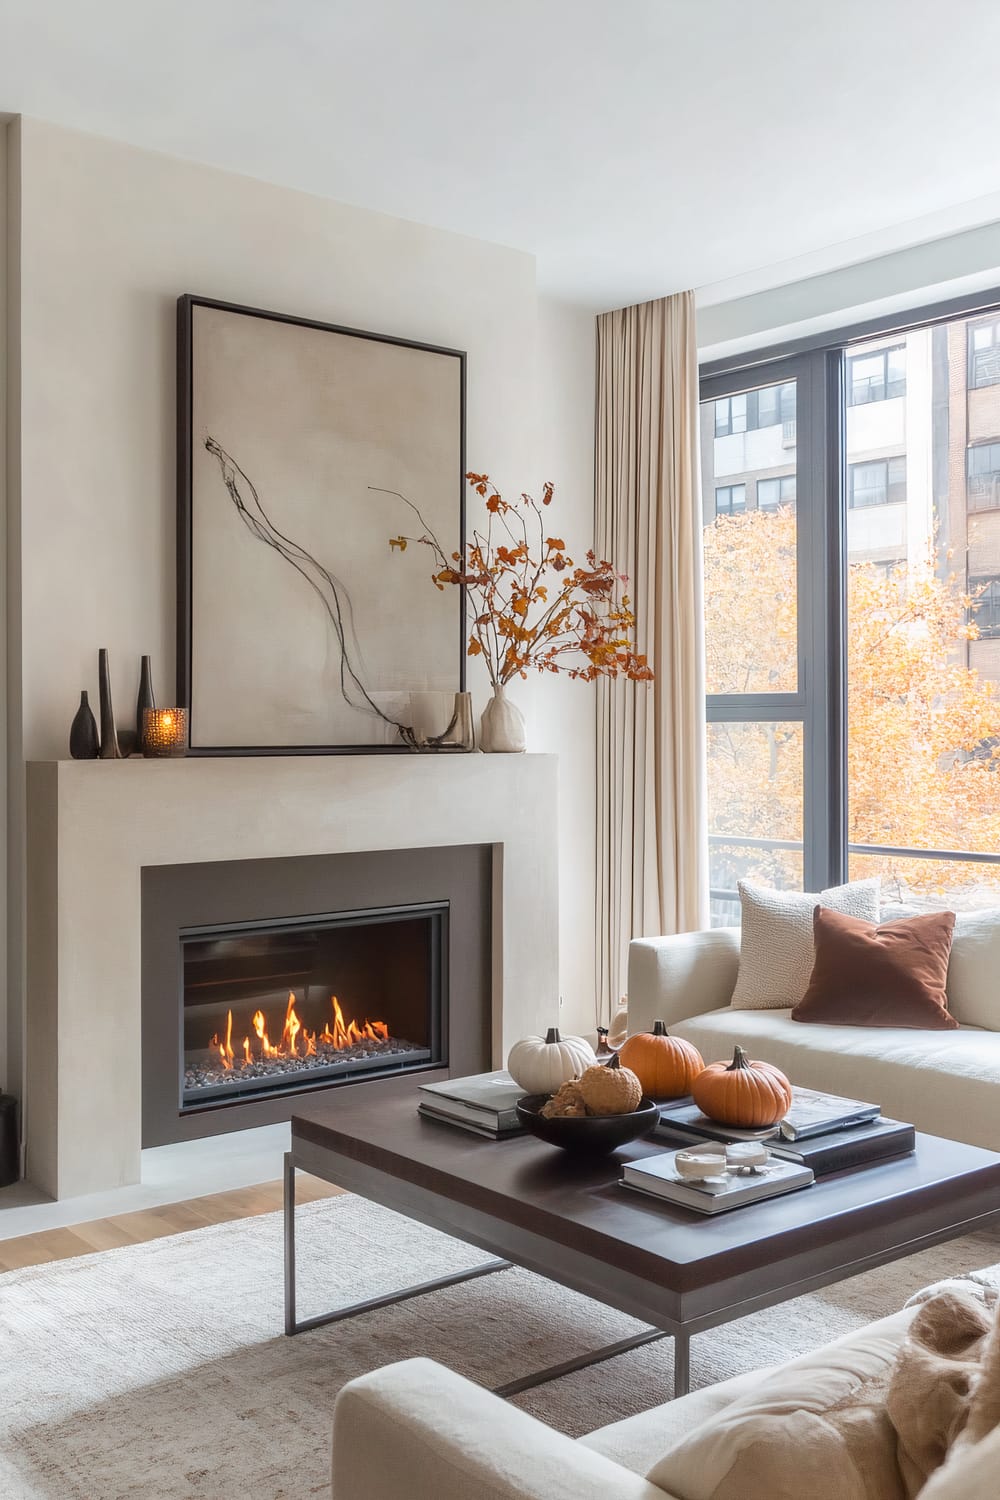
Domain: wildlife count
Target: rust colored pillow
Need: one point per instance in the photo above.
(893, 975)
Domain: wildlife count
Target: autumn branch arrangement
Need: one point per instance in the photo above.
(530, 607)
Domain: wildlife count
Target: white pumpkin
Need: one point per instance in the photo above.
(541, 1064)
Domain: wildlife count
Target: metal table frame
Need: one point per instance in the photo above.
(710, 1307)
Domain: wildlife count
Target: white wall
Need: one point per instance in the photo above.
(563, 714)
(110, 236)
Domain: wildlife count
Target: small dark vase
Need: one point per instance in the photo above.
(83, 741)
(110, 749)
(144, 700)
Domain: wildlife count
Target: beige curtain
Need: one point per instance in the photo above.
(652, 847)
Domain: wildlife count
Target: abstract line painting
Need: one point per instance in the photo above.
(295, 634)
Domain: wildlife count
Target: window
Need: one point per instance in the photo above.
(759, 719)
(774, 405)
(983, 484)
(878, 376)
(985, 611)
(880, 483)
(774, 492)
(730, 499)
(984, 353)
(730, 415)
(850, 726)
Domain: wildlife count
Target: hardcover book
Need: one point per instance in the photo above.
(478, 1122)
(658, 1177)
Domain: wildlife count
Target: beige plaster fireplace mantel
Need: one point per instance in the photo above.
(94, 825)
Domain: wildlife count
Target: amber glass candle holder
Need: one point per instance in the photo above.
(164, 732)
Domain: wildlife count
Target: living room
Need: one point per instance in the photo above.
(501, 672)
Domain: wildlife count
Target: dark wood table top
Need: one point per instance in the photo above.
(579, 1204)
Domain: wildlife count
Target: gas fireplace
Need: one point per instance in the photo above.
(266, 981)
(308, 1001)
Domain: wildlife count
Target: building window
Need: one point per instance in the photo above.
(983, 485)
(985, 609)
(984, 353)
(880, 483)
(774, 492)
(730, 415)
(774, 405)
(771, 407)
(880, 376)
(730, 499)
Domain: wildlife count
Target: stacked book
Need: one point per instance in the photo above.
(658, 1177)
(484, 1103)
(821, 1131)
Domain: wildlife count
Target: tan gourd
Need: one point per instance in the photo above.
(747, 1094)
(610, 1089)
(665, 1065)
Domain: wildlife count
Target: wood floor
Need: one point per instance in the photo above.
(154, 1223)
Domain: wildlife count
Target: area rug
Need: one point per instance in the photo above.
(160, 1370)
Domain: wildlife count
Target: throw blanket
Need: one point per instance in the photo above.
(945, 1386)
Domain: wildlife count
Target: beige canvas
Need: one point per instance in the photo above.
(306, 629)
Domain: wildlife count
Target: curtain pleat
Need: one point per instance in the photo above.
(652, 845)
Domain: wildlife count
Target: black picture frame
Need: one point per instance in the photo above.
(187, 304)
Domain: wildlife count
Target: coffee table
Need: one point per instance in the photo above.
(531, 1205)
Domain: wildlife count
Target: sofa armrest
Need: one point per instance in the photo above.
(418, 1431)
(673, 978)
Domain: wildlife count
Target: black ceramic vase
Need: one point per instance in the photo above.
(110, 749)
(83, 741)
(143, 701)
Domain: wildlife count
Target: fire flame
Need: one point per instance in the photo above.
(296, 1040)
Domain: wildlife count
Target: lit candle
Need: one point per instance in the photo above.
(164, 731)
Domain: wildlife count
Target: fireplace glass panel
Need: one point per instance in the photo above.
(308, 1002)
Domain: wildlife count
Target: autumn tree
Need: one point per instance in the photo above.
(923, 760)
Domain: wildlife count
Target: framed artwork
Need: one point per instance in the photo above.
(302, 448)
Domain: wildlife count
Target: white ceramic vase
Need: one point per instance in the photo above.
(502, 725)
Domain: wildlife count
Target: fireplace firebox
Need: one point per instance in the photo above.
(270, 984)
(271, 1006)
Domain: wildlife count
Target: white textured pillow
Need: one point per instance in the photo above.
(974, 965)
(974, 969)
(815, 1427)
(776, 939)
(968, 1473)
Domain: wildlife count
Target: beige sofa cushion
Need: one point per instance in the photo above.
(638, 1442)
(816, 1426)
(776, 939)
(945, 1082)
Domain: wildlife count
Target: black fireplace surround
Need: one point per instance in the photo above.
(263, 980)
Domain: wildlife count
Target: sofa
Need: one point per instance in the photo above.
(417, 1431)
(944, 1082)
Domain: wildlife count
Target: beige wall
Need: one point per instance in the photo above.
(110, 235)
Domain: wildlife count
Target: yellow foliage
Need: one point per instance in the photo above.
(923, 761)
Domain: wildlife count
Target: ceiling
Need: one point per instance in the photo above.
(634, 146)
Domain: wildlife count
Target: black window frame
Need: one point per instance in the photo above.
(814, 703)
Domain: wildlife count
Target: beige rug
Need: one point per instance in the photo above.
(160, 1369)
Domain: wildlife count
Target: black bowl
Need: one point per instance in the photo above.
(593, 1135)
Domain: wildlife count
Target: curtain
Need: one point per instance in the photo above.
(652, 843)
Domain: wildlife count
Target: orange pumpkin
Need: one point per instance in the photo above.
(743, 1093)
(665, 1065)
